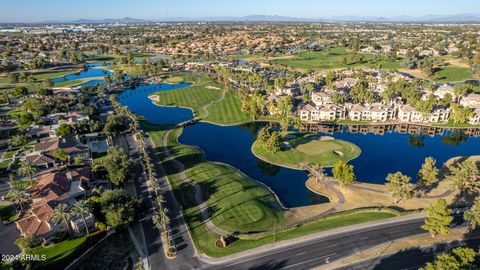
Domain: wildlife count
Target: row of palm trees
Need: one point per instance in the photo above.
(160, 217)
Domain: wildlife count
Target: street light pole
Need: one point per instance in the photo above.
(274, 228)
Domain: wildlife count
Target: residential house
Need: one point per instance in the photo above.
(321, 98)
(44, 151)
(48, 192)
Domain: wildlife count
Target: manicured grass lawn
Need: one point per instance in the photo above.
(98, 158)
(76, 82)
(335, 59)
(203, 92)
(176, 79)
(237, 202)
(195, 96)
(60, 250)
(23, 184)
(228, 111)
(7, 213)
(452, 74)
(308, 148)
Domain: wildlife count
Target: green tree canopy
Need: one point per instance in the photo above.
(439, 217)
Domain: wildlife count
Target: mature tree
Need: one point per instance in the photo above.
(115, 124)
(460, 258)
(26, 243)
(465, 176)
(472, 216)
(64, 130)
(63, 214)
(458, 114)
(45, 92)
(27, 169)
(399, 186)
(439, 217)
(273, 143)
(343, 172)
(80, 208)
(119, 208)
(20, 91)
(428, 174)
(19, 196)
(18, 140)
(61, 155)
(263, 135)
(118, 165)
(25, 119)
(285, 106)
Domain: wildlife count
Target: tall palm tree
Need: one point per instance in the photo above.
(165, 220)
(82, 209)
(157, 220)
(63, 213)
(27, 169)
(18, 196)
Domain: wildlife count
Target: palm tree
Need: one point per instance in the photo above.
(157, 220)
(160, 200)
(18, 196)
(165, 220)
(62, 213)
(26, 169)
(82, 209)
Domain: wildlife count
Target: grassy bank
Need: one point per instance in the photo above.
(228, 111)
(201, 93)
(309, 148)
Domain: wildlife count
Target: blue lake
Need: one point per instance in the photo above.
(138, 102)
(381, 154)
(89, 72)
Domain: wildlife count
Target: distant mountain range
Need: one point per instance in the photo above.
(457, 18)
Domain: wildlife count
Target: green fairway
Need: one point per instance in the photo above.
(176, 79)
(228, 111)
(203, 91)
(76, 82)
(237, 202)
(453, 74)
(309, 148)
(336, 58)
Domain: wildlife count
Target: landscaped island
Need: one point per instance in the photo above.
(309, 148)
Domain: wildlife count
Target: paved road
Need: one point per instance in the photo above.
(322, 251)
(186, 258)
(410, 259)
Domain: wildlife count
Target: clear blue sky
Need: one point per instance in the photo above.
(37, 10)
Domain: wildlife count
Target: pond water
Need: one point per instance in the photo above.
(386, 149)
(138, 102)
(88, 72)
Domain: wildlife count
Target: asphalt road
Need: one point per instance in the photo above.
(410, 259)
(322, 251)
